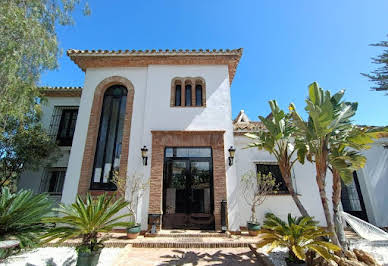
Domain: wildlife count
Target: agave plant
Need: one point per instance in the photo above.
(299, 235)
(85, 219)
(21, 216)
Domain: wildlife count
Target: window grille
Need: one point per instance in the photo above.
(56, 121)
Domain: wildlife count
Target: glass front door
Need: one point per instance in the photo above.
(188, 189)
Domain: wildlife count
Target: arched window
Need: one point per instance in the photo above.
(188, 92)
(188, 95)
(108, 149)
(198, 95)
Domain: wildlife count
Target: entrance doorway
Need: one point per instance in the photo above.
(188, 188)
(352, 200)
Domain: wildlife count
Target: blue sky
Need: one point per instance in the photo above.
(287, 44)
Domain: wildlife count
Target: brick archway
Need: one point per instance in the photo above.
(93, 128)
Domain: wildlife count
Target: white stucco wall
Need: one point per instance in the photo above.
(152, 111)
(281, 205)
(373, 179)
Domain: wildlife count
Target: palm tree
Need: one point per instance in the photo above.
(277, 140)
(345, 158)
(328, 117)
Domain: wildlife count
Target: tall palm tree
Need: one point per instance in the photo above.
(328, 116)
(345, 158)
(278, 140)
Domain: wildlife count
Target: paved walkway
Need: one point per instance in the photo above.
(165, 256)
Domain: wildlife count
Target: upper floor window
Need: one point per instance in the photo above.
(275, 171)
(63, 123)
(66, 127)
(108, 149)
(188, 92)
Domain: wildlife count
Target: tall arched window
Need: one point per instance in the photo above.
(188, 95)
(108, 150)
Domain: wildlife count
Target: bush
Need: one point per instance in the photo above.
(299, 235)
(21, 216)
(85, 219)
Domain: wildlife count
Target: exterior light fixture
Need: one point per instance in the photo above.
(144, 151)
(231, 155)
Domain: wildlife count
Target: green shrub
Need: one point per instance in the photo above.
(297, 234)
(85, 219)
(21, 216)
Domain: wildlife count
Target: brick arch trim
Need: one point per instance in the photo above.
(93, 129)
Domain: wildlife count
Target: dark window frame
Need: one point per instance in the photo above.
(60, 175)
(198, 98)
(282, 188)
(109, 186)
(188, 92)
(178, 95)
(67, 139)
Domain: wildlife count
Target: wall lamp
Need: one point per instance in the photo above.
(231, 155)
(144, 151)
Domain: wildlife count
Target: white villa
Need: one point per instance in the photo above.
(165, 115)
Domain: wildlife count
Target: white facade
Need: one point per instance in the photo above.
(152, 111)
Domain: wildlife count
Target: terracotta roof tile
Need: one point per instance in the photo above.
(61, 91)
(154, 52)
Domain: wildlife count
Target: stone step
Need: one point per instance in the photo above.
(183, 235)
(192, 242)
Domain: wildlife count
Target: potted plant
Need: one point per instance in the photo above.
(136, 186)
(86, 219)
(299, 235)
(256, 187)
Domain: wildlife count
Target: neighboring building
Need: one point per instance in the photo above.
(177, 105)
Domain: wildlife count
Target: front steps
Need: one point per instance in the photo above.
(192, 239)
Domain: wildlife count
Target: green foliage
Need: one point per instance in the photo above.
(21, 216)
(86, 218)
(297, 234)
(28, 47)
(23, 144)
(380, 75)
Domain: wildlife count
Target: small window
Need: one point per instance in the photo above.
(66, 127)
(178, 95)
(54, 180)
(275, 171)
(188, 92)
(188, 95)
(198, 95)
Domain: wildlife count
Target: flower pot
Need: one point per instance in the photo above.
(134, 231)
(88, 258)
(253, 228)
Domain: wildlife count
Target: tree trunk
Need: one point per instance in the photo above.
(321, 168)
(336, 217)
(286, 173)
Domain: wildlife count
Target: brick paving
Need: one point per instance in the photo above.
(165, 256)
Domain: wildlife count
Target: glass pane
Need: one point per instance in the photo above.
(198, 95)
(181, 152)
(200, 187)
(200, 152)
(178, 89)
(188, 95)
(102, 139)
(119, 139)
(275, 171)
(111, 139)
(176, 187)
(169, 152)
(349, 197)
